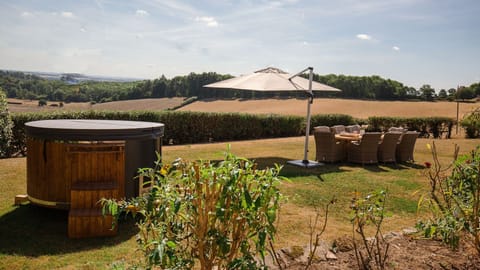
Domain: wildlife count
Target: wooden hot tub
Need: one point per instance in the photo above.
(98, 156)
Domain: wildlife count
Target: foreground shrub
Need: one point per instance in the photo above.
(454, 200)
(5, 127)
(218, 214)
(369, 211)
(471, 124)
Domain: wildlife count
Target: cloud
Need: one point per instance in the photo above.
(26, 14)
(395, 48)
(364, 37)
(141, 13)
(67, 14)
(210, 21)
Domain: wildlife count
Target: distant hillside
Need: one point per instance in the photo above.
(74, 78)
(73, 87)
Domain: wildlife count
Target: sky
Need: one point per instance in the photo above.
(416, 42)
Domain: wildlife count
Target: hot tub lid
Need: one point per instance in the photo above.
(93, 130)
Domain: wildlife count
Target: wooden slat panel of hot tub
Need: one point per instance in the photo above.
(97, 171)
(48, 183)
(53, 166)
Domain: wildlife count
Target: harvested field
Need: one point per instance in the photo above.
(355, 108)
(155, 104)
(21, 105)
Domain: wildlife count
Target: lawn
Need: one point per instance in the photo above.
(35, 238)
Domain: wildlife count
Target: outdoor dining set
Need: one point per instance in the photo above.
(351, 143)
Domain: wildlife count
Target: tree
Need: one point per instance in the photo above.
(159, 87)
(42, 102)
(465, 93)
(412, 92)
(427, 92)
(6, 125)
(452, 92)
(442, 94)
(476, 88)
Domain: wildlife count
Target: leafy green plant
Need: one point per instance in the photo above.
(454, 199)
(5, 127)
(220, 215)
(369, 211)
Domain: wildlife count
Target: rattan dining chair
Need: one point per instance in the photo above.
(388, 146)
(327, 148)
(322, 128)
(405, 147)
(338, 129)
(353, 128)
(364, 151)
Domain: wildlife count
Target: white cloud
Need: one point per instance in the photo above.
(82, 29)
(395, 48)
(364, 37)
(141, 13)
(26, 14)
(210, 21)
(67, 14)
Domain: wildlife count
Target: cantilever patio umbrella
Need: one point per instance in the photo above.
(272, 80)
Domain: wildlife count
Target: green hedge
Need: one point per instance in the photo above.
(471, 124)
(332, 120)
(190, 127)
(436, 127)
(199, 127)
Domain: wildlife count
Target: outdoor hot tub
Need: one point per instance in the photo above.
(99, 156)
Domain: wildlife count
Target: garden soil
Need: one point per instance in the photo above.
(405, 252)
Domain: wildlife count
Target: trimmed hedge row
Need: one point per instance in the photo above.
(471, 124)
(199, 127)
(191, 127)
(436, 127)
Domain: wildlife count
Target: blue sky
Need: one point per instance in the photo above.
(416, 42)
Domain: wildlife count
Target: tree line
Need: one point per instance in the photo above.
(27, 86)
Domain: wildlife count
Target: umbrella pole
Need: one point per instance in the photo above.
(307, 131)
(305, 162)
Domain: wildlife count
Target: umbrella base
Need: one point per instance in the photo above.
(305, 163)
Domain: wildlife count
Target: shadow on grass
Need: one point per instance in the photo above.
(382, 167)
(292, 171)
(30, 230)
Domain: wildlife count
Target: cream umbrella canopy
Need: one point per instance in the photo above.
(272, 80)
